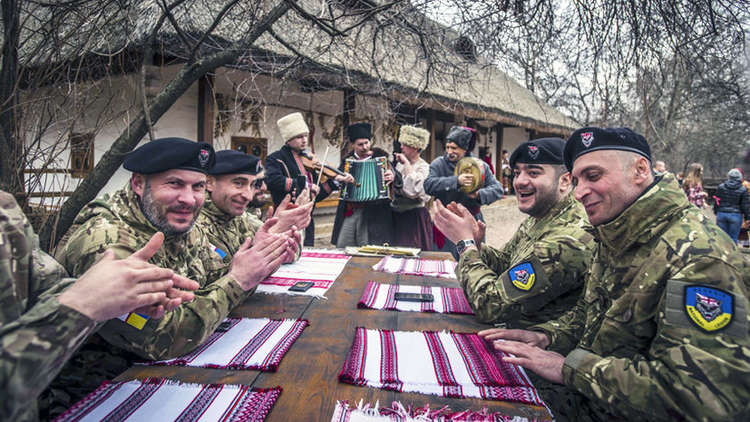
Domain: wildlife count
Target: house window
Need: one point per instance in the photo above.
(248, 145)
(81, 154)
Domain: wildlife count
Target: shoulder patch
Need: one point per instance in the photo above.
(709, 308)
(522, 276)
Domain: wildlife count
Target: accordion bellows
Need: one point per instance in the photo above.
(369, 181)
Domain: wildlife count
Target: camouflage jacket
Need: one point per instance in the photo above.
(225, 231)
(539, 273)
(662, 326)
(116, 222)
(37, 334)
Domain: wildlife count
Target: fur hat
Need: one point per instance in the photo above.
(414, 137)
(359, 131)
(464, 137)
(291, 126)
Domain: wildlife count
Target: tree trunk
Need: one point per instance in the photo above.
(10, 146)
(138, 128)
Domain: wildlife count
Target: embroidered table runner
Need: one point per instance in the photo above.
(444, 268)
(243, 343)
(447, 300)
(158, 399)
(319, 266)
(446, 364)
(398, 413)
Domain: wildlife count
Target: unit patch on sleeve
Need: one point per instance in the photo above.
(522, 276)
(709, 308)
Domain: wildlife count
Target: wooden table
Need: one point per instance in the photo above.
(309, 371)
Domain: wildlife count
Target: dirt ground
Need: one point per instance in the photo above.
(502, 217)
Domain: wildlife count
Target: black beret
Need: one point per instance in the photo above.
(229, 161)
(359, 131)
(170, 154)
(464, 137)
(591, 139)
(539, 151)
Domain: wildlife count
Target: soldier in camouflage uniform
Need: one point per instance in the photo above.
(661, 331)
(45, 316)
(164, 194)
(235, 182)
(538, 275)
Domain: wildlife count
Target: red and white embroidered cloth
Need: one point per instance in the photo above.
(243, 343)
(398, 413)
(447, 300)
(320, 266)
(158, 399)
(446, 364)
(444, 268)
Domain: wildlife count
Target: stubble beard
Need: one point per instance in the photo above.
(158, 219)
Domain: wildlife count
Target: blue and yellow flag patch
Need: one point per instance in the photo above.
(709, 308)
(135, 319)
(522, 276)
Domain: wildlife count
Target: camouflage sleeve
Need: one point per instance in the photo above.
(500, 290)
(565, 331)
(179, 331)
(182, 330)
(35, 345)
(696, 368)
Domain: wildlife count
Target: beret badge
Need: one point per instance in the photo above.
(587, 138)
(533, 152)
(203, 157)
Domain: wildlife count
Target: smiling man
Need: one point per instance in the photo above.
(538, 275)
(661, 331)
(237, 182)
(165, 193)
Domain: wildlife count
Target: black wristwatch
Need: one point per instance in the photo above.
(463, 244)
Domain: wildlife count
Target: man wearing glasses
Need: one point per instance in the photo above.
(236, 182)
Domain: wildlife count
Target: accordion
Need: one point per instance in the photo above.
(369, 182)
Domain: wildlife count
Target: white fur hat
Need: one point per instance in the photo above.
(292, 125)
(414, 137)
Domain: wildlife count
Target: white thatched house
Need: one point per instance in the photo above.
(372, 75)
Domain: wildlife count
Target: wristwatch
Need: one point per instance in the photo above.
(463, 244)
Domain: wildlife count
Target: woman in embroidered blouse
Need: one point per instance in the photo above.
(693, 185)
(411, 219)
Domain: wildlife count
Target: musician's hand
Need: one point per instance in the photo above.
(453, 226)
(465, 179)
(344, 178)
(401, 158)
(473, 195)
(388, 176)
(315, 189)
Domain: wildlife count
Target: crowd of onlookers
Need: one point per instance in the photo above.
(731, 201)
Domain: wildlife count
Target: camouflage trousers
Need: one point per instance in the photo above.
(565, 404)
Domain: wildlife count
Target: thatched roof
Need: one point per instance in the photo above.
(389, 60)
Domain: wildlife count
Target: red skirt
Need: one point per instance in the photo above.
(413, 229)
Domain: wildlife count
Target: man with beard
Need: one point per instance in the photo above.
(661, 330)
(46, 315)
(538, 275)
(284, 166)
(445, 186)
(362, 223)
(165, 193)
(236, 182)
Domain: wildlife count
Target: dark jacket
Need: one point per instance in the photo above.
(443, 185)
(281, 174)
(377, 213)
(732, 197)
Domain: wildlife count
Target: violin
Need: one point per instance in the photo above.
(311, 164)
